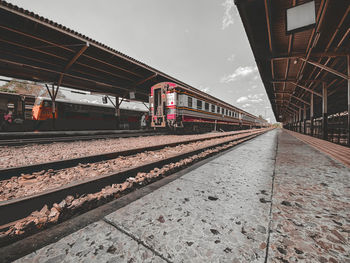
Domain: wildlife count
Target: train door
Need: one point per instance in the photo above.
(159, 107)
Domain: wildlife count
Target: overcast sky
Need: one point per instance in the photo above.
(200, 42)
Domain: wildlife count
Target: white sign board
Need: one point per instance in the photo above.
(132, 95)
(301, 16)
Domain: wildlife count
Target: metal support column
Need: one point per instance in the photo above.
(348, 127)
(23, 102)
(312, 115)
(299, 121)
(295, 122)
(53, 94)
(304, 118)
(117, 112)
(324, 112)
(293, 119)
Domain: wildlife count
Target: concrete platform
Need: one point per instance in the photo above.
(311, 205)
(222, 212)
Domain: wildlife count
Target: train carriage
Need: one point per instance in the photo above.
(79, 115)
(175, 107)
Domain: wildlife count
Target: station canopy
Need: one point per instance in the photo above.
(37, 49)
(295, 55)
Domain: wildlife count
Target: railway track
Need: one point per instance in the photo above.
(7, 173)
(42, 140)
(88, 191)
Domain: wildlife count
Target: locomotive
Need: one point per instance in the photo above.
(176, 107)
(79, 115)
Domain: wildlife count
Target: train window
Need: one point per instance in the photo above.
(226, 112)
(218, 109)
(206, 106)
(189, 102)
(199, 104)
(222, 110)
(212, 108)
(47, 104)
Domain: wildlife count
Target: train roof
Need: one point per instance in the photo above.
(90, 104)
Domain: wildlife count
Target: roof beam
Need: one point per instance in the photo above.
(325, 68)
(294, 80)
(282, 92)
(68, 49)
(62, 58)
(290, 108)
(146, 79)
(268, 22)
(80, 52)
(301, 100)
(291, 103)
(329, 54)
(330, 43)
(305, 88)
(71, 62)
(95, 82)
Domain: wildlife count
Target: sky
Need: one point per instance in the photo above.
(200, 42)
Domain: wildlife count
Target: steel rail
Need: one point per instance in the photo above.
(12, 210)
(7, 173)
(24, 141)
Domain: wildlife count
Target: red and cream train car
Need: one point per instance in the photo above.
(174, 106)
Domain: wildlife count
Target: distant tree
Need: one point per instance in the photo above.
(2, 89)
(26, 88)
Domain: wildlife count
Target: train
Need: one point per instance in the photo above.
(31, 113)
(72, 115)
(171, 106)
(175, 107)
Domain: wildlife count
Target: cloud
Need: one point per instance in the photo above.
(251, 98)
(242, 99)
(204, 89)
(228, 16)
(246, 105)
(238, 73)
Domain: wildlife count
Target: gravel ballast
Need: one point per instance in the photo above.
(41, 153)
(29, 184)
